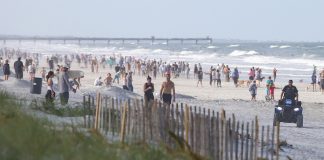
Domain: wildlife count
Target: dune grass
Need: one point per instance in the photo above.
(25, 137)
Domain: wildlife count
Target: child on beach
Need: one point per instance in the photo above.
(269, 89)
(253, 90)
(272, 88)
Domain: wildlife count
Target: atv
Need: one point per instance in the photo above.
(288, 111)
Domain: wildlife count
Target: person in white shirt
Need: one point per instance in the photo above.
(98, 82)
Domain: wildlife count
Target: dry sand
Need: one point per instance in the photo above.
(306, 141)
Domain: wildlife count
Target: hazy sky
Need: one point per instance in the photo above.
(290, 20)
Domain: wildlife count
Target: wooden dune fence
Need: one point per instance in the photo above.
(205, 132)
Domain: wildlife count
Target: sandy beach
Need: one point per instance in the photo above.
(233, 99)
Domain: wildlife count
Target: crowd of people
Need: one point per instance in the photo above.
(127, 66)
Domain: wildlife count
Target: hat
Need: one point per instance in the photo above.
(148, 77)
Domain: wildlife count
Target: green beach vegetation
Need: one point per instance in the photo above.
(23, 136)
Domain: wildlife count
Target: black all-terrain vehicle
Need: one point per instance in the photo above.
(288, 111)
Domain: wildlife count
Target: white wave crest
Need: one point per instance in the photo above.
(211, 47)
(273, 46)
(242, 53)
(305, 55)
(233, 45)
(284, 46)
(185, 52)
(157, 51)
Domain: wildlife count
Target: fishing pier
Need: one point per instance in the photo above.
(94, 40)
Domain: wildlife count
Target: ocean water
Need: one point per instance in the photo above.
(292, 60)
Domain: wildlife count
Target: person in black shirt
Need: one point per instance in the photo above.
(148, 90)
(289, 92)
(19, 67)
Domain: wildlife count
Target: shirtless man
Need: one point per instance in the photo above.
(108, 80)
(165, 92)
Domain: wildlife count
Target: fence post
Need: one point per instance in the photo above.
(272, 142)
(223, 119)
(177, 120)
(278, 140)
(217, 143)
(212, 136)
(181, 121)
(172, 123)
(198, 130)
(106, 115)
(84, 112)
(143, 120)
(232, 136)
(247, 141)
(93, 117)
(192, 144)
(252, 142)
(262, 144)
(195, 131)
(203, 131)
(237, 133)
(186, 123)
(226, 136)
(123, 124)
(89, 109)
(242, 141)
(267, 142)
(129, 118)
(98, 97)
(256, 137)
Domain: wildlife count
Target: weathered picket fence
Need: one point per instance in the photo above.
(203, 131)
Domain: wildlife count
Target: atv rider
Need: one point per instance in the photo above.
(289, 92)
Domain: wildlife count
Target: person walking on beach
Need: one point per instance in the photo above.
(322, 80)
(187, 70)
(64, 85)
(19, 68)
(274, 73)
(235, 76)
(31, 71)
(130, 81)
(125, 82)
(148, 91)
(226, 73)
(116, 78)
(200, 74)
(6, 69)
(214, 78)
(211, 76)
(314, 78)
(50, 94)
(195, 71)
(253, 90)
(251, 74)
(218, 78)
(269, 89)
(167, 90)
